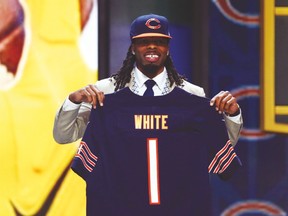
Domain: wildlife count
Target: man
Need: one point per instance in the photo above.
(149, 155)
(148, 58)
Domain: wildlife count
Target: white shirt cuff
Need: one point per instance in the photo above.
(68, 105)
(237, 119)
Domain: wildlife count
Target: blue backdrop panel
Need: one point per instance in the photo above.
(261, 186)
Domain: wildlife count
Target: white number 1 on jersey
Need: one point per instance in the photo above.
(153, 171)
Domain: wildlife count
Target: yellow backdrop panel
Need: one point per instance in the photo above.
(32, 163)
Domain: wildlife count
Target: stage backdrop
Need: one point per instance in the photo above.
(261, 186)
(42, 59)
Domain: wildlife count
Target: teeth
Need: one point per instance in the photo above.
(152, 56)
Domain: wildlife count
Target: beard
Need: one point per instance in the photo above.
(151, 68)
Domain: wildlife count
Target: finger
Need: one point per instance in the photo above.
(229, 104)
(225, 103)
(92, 95)
(233, 107)
(221, 101)
(213, 100)
(85, 95)
(100, 97)
(97, 96)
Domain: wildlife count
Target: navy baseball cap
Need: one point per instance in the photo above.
(151, 25)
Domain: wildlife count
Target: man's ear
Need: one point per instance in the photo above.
(132, 49)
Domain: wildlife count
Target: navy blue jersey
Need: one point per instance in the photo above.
(153, 155)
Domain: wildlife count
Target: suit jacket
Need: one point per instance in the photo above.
(70, 126)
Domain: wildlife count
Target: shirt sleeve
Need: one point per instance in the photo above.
(236, 119)
(69, 105)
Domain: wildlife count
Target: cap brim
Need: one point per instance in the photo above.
(151, 35)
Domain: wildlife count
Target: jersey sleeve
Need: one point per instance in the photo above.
(224, 160)
(86, 158)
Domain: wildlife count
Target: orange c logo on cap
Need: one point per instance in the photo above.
(153, 26)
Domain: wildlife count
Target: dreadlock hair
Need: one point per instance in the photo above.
(123, 76)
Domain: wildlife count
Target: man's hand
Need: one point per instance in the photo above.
(89, 94)
(225, 102)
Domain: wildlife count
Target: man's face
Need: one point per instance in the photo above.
(151, 54)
